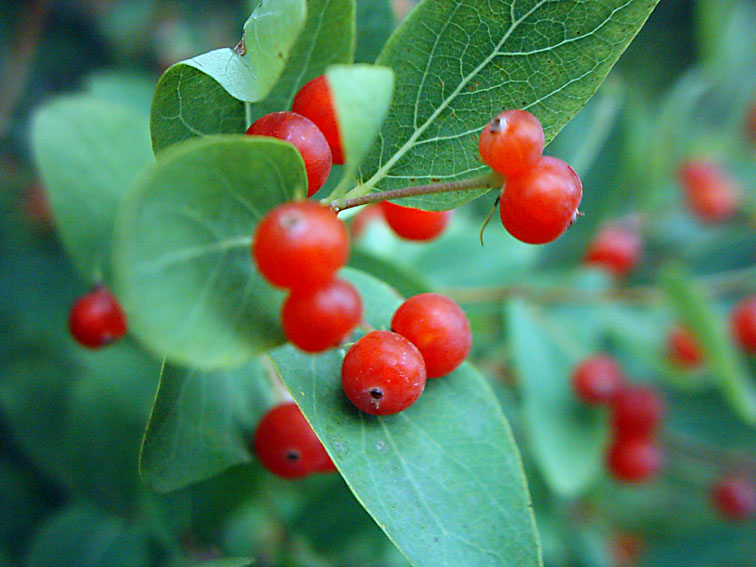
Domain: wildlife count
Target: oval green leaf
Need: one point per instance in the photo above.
(182, 262)
(200, 423)
(88, 152)
(458, 62)
(567, 439)
(449, 463)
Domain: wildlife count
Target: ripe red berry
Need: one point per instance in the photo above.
(683, 348)
(710, 193)
(743, 324)
(300, 245)
(315, 102)
(383, 373)
(637, 411)
(303, 135)
(616, 249)
(512, 142)
(415, 224)
(538, 205)
(734, 498)
(438, 328)
(318, 319)
(597, 379)
(634, 459)
(96, 319)
(286, 444)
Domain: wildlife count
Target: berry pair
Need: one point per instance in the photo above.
(96, 319)
(636, 413)
(311, 127)
(385, 371)
(541, 196)
(300, 246)
(287, 446)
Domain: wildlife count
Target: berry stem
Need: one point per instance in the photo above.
(490, 181)
(694, 449)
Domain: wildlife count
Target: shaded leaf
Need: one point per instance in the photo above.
(182, 243)
(375, 20)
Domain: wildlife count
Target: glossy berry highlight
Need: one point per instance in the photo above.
(318, 319)
(683, 348)
(415, 224)
(512, 142)
(383, 373)
(96, 319)
(634, 460)
(734, 498)
(743, 324)
(439, 329)
(286, 444)
(315, 102)
(637, 411)
(616, 249)
(300, 245)
(597, 380)
(538, 205)
(710, 193)
(303, 135)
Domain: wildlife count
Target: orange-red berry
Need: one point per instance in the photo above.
(512, 142)
(415, 224)
(96, 319)
(315, 102)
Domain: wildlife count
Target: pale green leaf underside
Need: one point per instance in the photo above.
(443, 479)
(183, 268)
(88, 152)
(458, 62)
(566, 438)
(695, 310)
(201, 423)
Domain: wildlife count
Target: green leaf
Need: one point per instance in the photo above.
(182, 261)
(458, 62)
(566, 438)
(88, 152)
(361, 99)
(695, 310)
(328, 38)
(124, 87)
(200, 423)
(190, 103)
(449, 462)
(375, 20)
(86, 537)
(402, 277)
(227, 562)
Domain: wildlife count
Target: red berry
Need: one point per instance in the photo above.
(383, 373)
(415, 224)
(734, 498)
(683, 348)
(634, 459)
(512, 142)
(300, 245)
(318, 319)
(303, 135)
(616, 249)
(710, 193)
(96, 319)
(597, 379)
(286, 444)
(315, 102)
(637, 411)
(743, 324)
(538, 205)
(438, 328)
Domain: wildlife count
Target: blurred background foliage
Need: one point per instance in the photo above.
(71, 421)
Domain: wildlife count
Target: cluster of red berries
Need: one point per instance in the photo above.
(685, 351)
(287, 446)
(385, 372)
(636, 412)
(541, 195)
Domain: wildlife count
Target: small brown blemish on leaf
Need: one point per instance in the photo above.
(241, 47)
